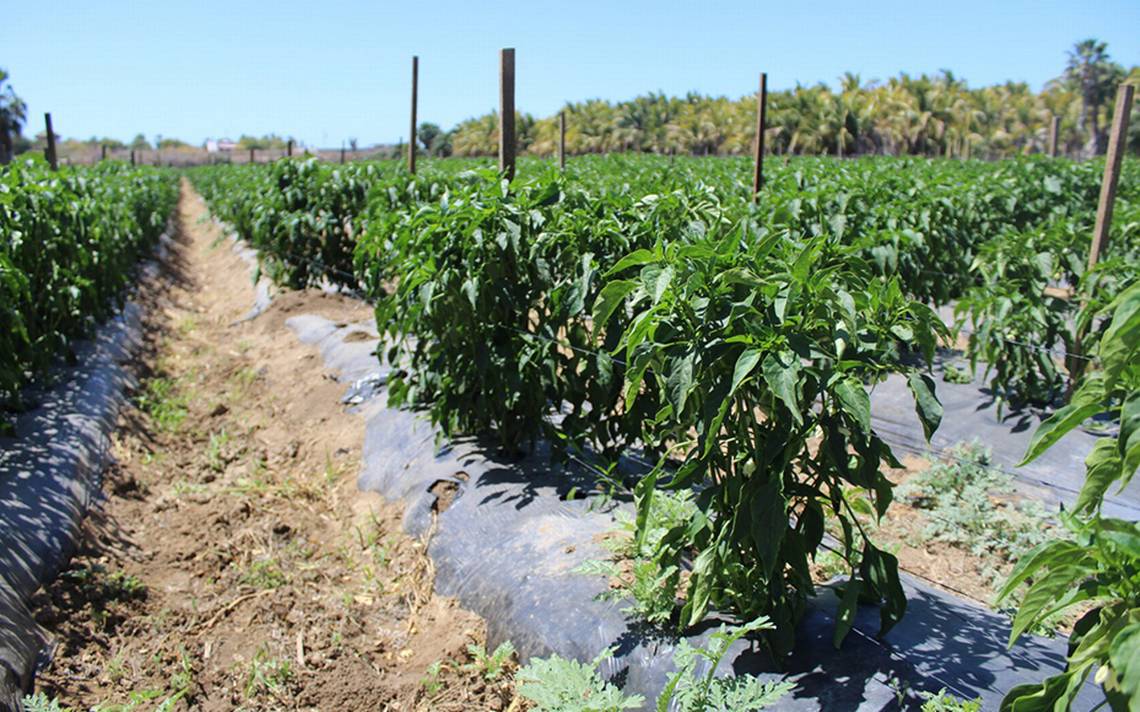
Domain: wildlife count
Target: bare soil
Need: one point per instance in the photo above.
(233, 563)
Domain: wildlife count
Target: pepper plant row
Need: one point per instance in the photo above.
(70, 239)
(642, 303)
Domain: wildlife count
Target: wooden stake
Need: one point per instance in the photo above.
(761, 117)
(342, 154)
(51, 157)
(1054, 135)
(1074, 362)
(251, 155)
(289, 149)
(562, 140)
(412, 130)
(1111, 172)
(103, 157)
(132, 156)
(507, 112)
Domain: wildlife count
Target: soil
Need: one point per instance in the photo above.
(233, 564)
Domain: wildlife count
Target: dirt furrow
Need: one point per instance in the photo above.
(233, 563)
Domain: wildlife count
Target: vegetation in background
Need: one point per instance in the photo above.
(71, 240)
(926, 115)
(13, 114)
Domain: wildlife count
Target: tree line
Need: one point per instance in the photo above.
(924, 115)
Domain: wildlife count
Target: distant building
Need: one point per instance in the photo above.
(219, 145)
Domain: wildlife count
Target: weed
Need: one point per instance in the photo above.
(967, 511)
(945, 702)
(215, 458)
(957, 373)
(491, 666)
(692, 691)
(264, 574)
(165, 403)
(40, 702)
(556, 684)
(266, 673)
(430, 681)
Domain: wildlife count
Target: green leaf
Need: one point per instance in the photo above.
(1086, 402)
(744, 365)
(782, 374)
(769, 522)
(1045, 555)
(1043, 593)
(845, 614)
(926, 403)
(701, 582)
(854, 401)
(633, 259)
(1102, 467)
(1124, 654)
(1129, 438)
(680, 383)
(609, 299)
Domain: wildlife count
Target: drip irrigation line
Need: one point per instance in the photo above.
(1035, 347)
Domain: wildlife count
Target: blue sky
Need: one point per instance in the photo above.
(327, 71)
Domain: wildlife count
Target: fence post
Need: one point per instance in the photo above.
(132, 156)
(289, 149)
(412, 130)
(1075, 361)
(342, 154)
(52, 160)
(103, 157)
(251, 155)
(1054, 135)
(507, 112)
(1111, 172)
(761, 117)
(562, 140)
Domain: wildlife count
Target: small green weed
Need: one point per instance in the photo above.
(945, 702)
(556, 684)
(491, 666)
(431, 681)
(40, 702)
(694, 692)
(957, 373)
(269, 674)
(164, 402)
(264, 574)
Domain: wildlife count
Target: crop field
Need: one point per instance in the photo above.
(704, 359)
(646, 304)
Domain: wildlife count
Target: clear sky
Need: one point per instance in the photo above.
(326, 71)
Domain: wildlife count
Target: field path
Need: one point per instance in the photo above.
(233, 563)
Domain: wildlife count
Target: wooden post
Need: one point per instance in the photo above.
(103, 157)
(507, 112)
(289, 149)
(251, 156)
(52, 160)
(132, 156)
(342, 154)
(412, 130)
(1075, 363)
(562, 140)
(1111, 172)
(761, 117)
(1054, 135)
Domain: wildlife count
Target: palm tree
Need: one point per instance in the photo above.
(13, 116)
(1094, 76)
